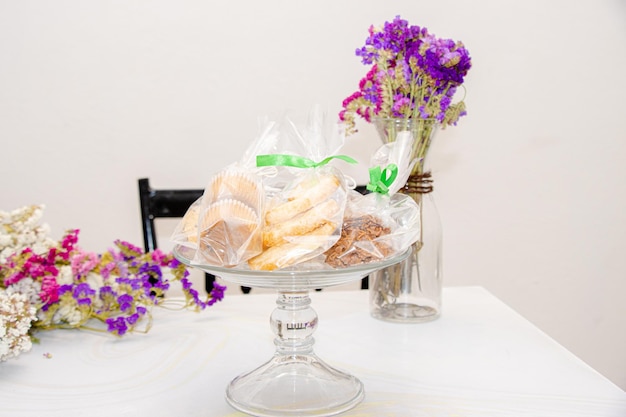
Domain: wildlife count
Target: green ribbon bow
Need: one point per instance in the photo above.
(297, 161)
(381, 179)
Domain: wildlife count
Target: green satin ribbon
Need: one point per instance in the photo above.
(381, 179)
(297, 161)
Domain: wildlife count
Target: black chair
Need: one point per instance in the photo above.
(167, 203)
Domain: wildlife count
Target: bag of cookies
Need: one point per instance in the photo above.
(229, 220)
(306, 197)
(382, 223)
(303, 220)
(224, 225)
(280, 205)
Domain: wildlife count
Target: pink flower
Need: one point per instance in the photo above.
(69, 240)
(49, 290)
(158, 256)
(83, 263)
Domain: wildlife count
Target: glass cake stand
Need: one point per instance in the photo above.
(294, 382)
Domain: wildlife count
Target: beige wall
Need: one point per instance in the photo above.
(530, 186)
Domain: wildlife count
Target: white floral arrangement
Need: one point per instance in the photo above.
(16, 315)
(20, 229)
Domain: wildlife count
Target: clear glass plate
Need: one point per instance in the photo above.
(288, 280)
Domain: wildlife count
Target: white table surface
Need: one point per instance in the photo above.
(479, 359)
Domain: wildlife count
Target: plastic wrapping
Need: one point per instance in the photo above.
(306, 197)
(186, 231)
(284, 206)
(230, 219)
(303, 220)
(272, 215)
(382, 223)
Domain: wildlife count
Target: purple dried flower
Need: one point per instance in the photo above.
(82, 293)
(401, 105)
(411, 71)
(117, 325)
(151, 270)
(65, 288)
(107, 295)
(186, 283)
(132, 319)
(125, 301)
(84, 301)
(217, 293)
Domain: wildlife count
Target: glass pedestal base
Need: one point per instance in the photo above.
(295, 382)
(294, 385)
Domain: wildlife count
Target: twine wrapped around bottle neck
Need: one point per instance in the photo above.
(419, 184)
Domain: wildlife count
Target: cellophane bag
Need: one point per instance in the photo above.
(306, 197)
(276, 215)
(303, 220)
(223, 227)
(186, 231)
(382, 223)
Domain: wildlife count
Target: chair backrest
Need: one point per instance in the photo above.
(161, 203)
(365, 281)
(155, 203)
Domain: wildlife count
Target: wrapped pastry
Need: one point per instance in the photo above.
(298, 250)
(186, 231)
(303, 221)
(229, 218)
(382, 223)
(359, 242)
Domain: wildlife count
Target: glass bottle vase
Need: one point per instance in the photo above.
(410, 291)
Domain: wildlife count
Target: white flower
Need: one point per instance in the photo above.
(65, 276)
(16, 316)
(34, 217)
(4, 349)
(19, 230)
(26, 239)
(4, 254)
(95, 280)
(28, 287)
(67, 314)
(5, 240)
